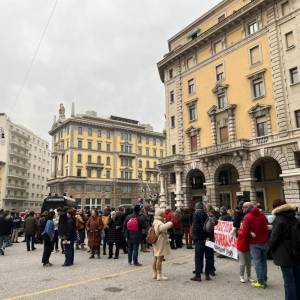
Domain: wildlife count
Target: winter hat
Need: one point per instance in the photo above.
(199, 205)
(278, 202)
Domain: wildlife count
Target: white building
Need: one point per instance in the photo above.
(24, 167)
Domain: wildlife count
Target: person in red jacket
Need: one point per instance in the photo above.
(169, 216)
(243, 247)
(255, 226)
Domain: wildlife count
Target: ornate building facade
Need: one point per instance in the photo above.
(232, 106)
(104, 162)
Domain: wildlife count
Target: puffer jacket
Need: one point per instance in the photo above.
(280, 243)
(256, 222)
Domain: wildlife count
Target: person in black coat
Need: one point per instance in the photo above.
(114, 234)
(283, 249)
(134, 238)
(69, 236)
(5, 230)
(199, 237)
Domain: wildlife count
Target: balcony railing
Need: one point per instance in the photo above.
(223, 148)
(152, 170)
(171, 159)
(9, 197)
(23, 155)
(16, 187)
(20, 176)
(94, 165)
(127, 154)
(18, 165)
(20, 145)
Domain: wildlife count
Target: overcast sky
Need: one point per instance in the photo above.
(101, 54)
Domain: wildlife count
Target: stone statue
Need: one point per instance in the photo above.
(62, 115)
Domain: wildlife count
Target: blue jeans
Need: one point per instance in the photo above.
(133, 252)
(69, 253)
(291, 279)
(3, 241)
(259, 256)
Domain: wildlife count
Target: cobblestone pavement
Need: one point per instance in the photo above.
(23, 277)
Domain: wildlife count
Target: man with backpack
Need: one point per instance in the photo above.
(285, 246)
(133, 226)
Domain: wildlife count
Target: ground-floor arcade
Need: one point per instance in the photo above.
(261, 175)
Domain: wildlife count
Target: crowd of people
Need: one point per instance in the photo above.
(141, 228)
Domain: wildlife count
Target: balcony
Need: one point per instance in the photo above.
(94, 165)
(225, 148)
(126, 154)
(20, 198)
(20, 145)
(152, 170)
(23, 155)
(19, 176)
(16, 187)
(172, 160)
(19, 165)
(24, 135)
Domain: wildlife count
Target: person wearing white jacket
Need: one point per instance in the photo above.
(162, 247)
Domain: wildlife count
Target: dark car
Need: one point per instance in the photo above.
(55, 201)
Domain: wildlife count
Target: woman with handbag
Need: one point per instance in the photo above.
(48, 236)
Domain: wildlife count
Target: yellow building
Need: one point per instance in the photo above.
(231, 80)
(104, 162)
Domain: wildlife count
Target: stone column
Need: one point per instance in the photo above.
(178, 193)
(162, 196)
(291, 190)
(247, 185)
(231, 125)
(213, 129)
(211, 193)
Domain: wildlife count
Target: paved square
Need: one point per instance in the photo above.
(23, 277)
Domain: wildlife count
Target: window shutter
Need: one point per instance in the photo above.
(224, 134)
(193, 143)
(255, 55)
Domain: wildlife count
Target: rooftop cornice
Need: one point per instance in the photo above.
(206, 35)
(106, 123)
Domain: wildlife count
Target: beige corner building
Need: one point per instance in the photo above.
(104, 161)
(233, 106)
(25, 164)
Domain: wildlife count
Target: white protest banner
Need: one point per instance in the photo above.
(225, 243)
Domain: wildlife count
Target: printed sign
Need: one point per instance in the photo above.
(225, 243)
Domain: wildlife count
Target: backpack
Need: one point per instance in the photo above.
(133, 224)
(152, 237)
(295, 235)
